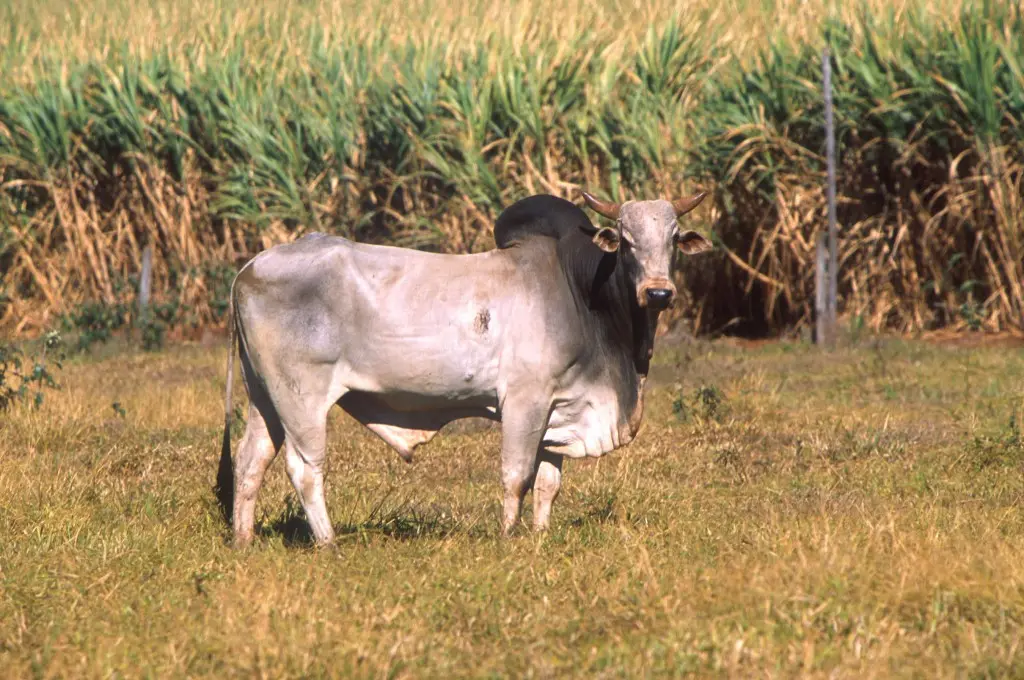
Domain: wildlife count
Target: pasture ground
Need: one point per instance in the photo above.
(784, 512)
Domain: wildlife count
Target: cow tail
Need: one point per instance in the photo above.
(225, 487)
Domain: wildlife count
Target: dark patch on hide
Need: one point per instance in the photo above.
(482, 321)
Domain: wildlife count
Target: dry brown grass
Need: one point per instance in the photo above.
(846, 515)
(900, 268)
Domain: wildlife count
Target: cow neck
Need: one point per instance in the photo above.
(602, 286)
(601, 289)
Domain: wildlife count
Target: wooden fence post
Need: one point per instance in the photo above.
(827, 273)
(820, 290)
(145, 283)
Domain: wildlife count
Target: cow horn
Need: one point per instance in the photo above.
(606, 208)
(685, 205)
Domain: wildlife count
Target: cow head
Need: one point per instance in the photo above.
(646, 235)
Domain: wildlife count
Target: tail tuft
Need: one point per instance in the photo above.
(225, 487)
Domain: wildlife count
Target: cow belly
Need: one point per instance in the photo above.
(407, 421)
(585, 425)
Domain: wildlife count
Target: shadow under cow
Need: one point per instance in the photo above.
(403, 522)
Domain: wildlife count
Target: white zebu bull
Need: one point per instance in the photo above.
(551, 334)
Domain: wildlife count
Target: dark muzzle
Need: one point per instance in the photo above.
(659, 298)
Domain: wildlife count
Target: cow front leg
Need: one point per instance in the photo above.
(521, 434)
(546, 485)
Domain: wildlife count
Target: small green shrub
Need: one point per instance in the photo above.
(707, 403)
(218, 277)
(96, 322)
(155, 323)
(22, 380)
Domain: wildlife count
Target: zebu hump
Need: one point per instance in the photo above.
(541, 215)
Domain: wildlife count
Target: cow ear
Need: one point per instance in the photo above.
(691, 243)
(607, 239)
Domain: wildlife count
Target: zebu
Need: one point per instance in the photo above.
(551, 334)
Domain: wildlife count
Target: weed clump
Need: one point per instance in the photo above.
(706, 403)
(23, 379)
(1003, 448)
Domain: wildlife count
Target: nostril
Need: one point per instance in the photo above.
(659, 295)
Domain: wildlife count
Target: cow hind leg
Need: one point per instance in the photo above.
(546, 485)
(257, 450)
(305, 459)
(305, 467)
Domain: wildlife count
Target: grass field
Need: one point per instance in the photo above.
(784, 512)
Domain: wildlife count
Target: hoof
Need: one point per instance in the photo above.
(241, 542)
(330, 547)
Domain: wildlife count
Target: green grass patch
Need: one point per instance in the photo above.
(815, 525)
